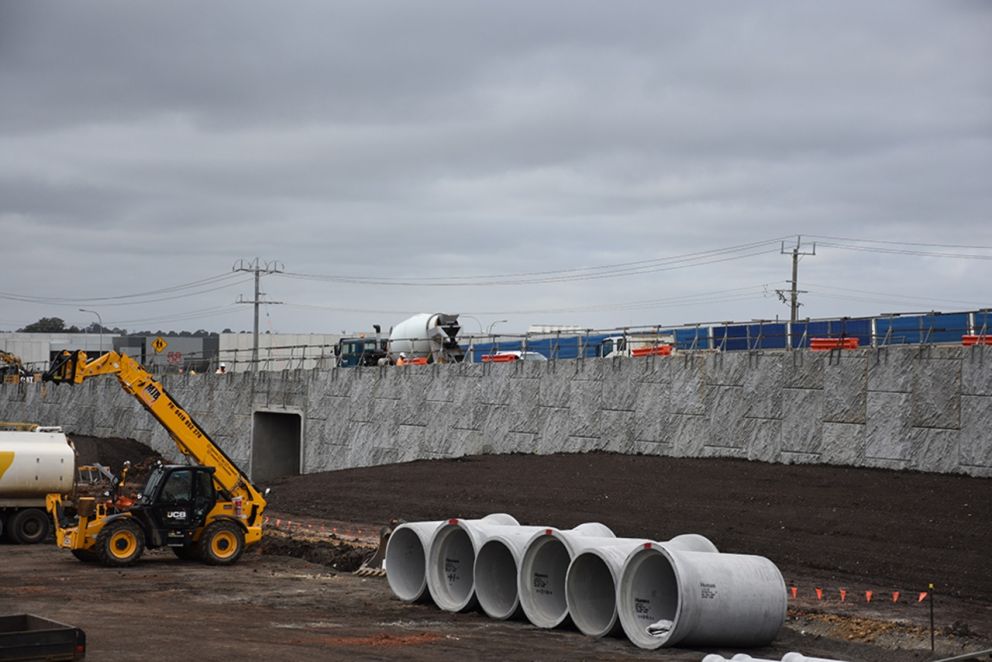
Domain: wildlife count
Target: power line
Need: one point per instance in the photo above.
(68, 301)
(899, 243)
(565, 275)
(905, 251)
(258, 268)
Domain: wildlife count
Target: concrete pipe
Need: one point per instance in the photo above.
(496, 568)
(594, 574)
(541, 580)
(740, 657)
(451, 560)
(406, 559)
(667, 597)
(799, 657)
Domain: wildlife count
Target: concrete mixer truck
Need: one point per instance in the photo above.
(427, 336)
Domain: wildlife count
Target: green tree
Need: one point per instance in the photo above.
(45, 325)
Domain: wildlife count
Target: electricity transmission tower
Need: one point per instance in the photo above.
(794, 292)
(258, 268)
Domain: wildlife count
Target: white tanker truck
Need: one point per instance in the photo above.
(32, 465)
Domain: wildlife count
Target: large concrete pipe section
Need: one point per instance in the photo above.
(594, 574)
(496, 568)
(406, 559)
(667, 597)
(451, 559)
(541, 580)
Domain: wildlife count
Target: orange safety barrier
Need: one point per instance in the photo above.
(824, 344)
(499, 358)
(660, 350)
(970, 340)
(420, 360)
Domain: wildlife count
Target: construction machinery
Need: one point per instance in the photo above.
(12, 369)
(207, 510)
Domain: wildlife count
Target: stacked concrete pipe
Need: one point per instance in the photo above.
(406, 555)
(497, 566)
(668, 596)
(497, 569)
(451, 558)
(593, 578)
(541, 579)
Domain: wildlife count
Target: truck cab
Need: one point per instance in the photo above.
(636, 345)
(351, 352)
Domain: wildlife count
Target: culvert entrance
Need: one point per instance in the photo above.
(275, 444)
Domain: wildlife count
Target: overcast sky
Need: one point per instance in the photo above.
(424, 154)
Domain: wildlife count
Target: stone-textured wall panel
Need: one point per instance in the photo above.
(763, 438)
(688, 385)
(621, 390)
(889, 425)
(802, 430)
(976, 424)
(616, 431)
(656, 369)
(529, 418)
(976, 371)
(937, 394)
(689, 434)
(555, 390)
(762, 392)
(726, 406)
(726, 369)
(843, 443)
(803, 369)
(934, 449)
(845, 388)
(890, 370)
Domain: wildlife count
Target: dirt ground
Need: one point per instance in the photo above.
(293, 598)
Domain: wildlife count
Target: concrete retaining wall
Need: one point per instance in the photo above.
(928, 409)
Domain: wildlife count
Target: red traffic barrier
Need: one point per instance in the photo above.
(499, 358)
(972, 340)
(826, 344)
(660, 350)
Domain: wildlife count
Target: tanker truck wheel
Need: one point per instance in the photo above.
(28, 526)
(120, 543)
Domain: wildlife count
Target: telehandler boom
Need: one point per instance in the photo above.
(207, 510)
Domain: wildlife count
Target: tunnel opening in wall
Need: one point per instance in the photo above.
(276, 439)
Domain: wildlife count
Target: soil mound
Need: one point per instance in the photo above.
(113, 452)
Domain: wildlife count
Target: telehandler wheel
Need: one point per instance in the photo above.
(120, 543)
(187, 552)
(86, 555)
(222, 543)
(28, 527)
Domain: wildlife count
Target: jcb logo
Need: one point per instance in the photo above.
(176, 514)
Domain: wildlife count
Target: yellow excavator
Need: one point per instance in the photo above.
(13, 369)
(207, 510)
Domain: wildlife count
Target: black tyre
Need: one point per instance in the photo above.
(86, 555)
(120, 543)
(222, 543)
(28, 527)
(187, 552)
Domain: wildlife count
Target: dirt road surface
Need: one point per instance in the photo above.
(825, 527)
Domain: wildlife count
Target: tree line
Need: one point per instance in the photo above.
(57, 325)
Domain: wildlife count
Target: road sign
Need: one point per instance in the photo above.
(159, 344)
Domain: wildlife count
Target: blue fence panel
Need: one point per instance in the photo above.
(947, 328)
(684, 338)
(898, 330)
(983, 322)
(731, 338)
(767, 336)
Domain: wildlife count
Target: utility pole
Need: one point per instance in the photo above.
(259, 268)
(794, 292)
